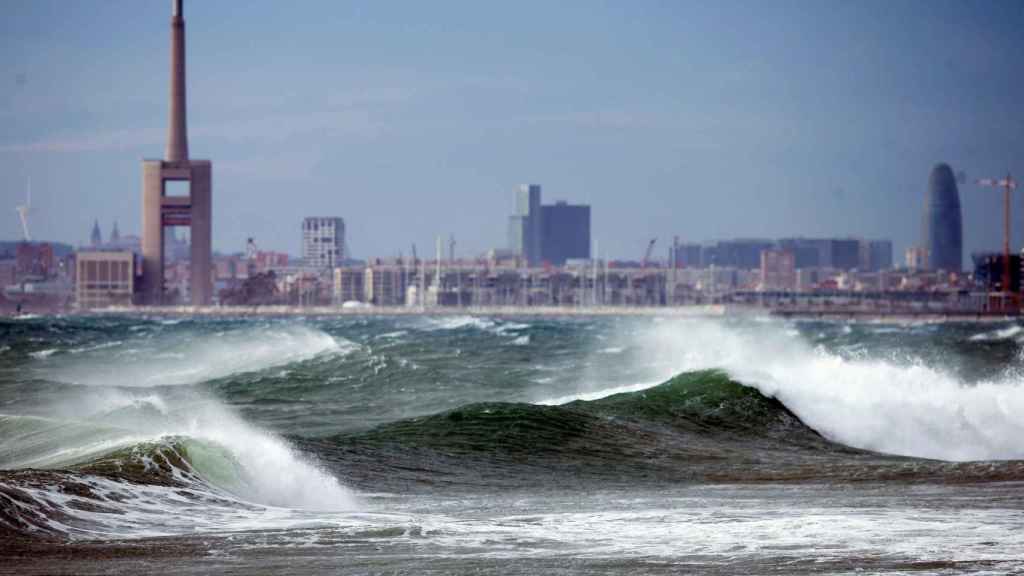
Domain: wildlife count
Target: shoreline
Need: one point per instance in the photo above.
(697, 311)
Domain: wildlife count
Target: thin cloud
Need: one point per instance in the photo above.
(94, 142)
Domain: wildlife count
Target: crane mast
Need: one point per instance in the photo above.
(1008, 184)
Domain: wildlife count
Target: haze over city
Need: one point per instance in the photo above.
(742, 119)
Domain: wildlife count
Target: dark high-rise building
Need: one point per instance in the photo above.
(807, 252)
(553, 233)
(988, 270)
(876, 255)
(526, 225)
(565, 232)
(943, 229)
(741, 253)
(844, 253)
(688, 255)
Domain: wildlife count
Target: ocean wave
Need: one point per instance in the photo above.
(162, 487)
(705, 404)
(1006, 333)
(123, 436)
(193, 358)
(897, 405)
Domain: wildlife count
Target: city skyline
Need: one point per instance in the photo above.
(446, 138)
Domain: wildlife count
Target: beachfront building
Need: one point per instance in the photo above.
(104, 279)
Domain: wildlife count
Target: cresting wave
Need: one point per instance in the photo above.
(133, 444)
(896, 405)
(133, 454)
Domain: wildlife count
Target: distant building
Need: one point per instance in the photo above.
(548, 233)
(844, 253)
(943, 228)
(916, 258)
(8, 272)
(778, 270)
(348, 284)
(104, 279)
(526, 224)
(807, 252)
(687, 255)
(96, 238)
(566, 233)
(35, 259)
(743, 253)
(384, 285)
(323, 242)
(988, 271)
(517, 236)
(876, 255)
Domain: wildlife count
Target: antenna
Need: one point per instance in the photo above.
(24, 210)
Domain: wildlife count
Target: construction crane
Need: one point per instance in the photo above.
(24, 210)
(647, 254)
(1008, 184)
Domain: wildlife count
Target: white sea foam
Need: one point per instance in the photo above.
(456, 322)
(999, 334)
(899, 406)
(274, 474)
(598, 394)
(111, 414)
(269, 471)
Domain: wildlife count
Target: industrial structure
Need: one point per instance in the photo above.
(1007, 283)
(177, 191)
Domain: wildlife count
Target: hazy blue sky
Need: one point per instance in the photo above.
(412, 119)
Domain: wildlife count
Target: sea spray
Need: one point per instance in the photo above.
(172, 359)
(894, 405)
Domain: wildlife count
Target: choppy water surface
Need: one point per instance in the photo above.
(465, 444)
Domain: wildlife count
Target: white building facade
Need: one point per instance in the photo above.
(323, 242)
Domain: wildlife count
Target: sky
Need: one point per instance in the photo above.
(703, 120)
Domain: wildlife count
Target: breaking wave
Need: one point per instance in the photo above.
(896, 405)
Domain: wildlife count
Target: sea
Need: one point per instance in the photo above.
(471, 444)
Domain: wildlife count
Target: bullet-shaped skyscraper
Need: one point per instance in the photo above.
(943, 226)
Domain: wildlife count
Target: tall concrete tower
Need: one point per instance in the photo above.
(943, 228)
(187, 202)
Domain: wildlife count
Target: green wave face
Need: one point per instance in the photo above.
(169, 461)
(704, 403)
(706, 400)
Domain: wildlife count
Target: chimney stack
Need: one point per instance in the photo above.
(177, 133)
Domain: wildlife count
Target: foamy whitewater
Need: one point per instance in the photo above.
(468, 444)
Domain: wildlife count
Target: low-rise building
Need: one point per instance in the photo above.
(105, 279)
(348, 284)
(778, 270)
